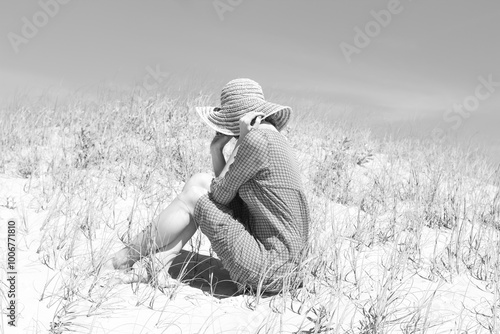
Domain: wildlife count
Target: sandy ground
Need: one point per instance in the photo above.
(192, 305)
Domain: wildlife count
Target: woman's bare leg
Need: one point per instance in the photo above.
(170, 231)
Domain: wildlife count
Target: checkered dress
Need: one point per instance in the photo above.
(256, 216)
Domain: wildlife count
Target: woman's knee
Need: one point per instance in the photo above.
(191, 194)
(202, 180)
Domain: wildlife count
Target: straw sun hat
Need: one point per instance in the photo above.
(239, 97)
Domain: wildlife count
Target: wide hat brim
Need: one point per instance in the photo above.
(226, 119)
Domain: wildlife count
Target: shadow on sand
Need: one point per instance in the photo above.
(203, 272)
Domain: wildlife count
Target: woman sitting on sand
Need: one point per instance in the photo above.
(254, 212)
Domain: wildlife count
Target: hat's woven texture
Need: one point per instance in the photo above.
(238, 97)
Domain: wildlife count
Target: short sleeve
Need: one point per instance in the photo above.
(250, 160)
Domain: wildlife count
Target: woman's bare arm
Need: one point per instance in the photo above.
(229, 161)
(218, 160)
(216, 149)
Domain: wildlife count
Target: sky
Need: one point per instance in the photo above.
(415, 62)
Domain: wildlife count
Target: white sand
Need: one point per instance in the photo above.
(450, 303)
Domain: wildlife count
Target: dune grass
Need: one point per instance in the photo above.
(397, 226)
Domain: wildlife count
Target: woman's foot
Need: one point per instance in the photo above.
(157, 271)
(119, 270)
(122, 259)
(128, 276)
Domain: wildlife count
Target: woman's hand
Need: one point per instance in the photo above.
(246, 123)
(220, 140)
